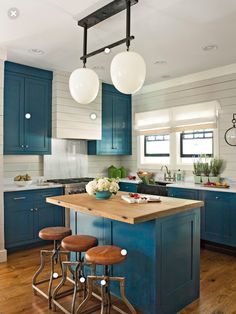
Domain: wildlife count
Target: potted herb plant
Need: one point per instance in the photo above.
(197, 166)
(206, 171)
(216, 166)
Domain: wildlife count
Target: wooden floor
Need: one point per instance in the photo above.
(218, 285)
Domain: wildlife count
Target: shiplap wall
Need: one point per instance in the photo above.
(221, 88)
(2, 250)
(17, 164)
(71, 120)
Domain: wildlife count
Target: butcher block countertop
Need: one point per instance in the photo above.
(117, 209)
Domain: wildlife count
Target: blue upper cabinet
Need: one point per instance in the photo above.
(27, 110)
(116, 124)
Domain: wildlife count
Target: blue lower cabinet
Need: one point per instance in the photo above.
(183, 193)
(26, 212)
(218, 216)
(128, 187)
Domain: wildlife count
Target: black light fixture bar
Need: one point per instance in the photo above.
(102, 14)
(117, 43)
(105, 12)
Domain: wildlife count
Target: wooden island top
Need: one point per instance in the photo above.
(117, 209)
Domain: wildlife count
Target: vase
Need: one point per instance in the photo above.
(205, 179)
(214, 179)
(103, 195)
(197, 179)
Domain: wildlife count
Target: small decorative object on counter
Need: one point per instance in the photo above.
(179, 175)
(111, 170)
(216, 166)
(117, 173)
(123, 172)
(23, 180)
(103, 188)
(197, 166)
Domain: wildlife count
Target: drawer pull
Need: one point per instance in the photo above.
(19, 198)
(31, 209)
(36, 209)
(217, 197)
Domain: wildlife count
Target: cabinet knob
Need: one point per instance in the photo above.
(31, 209)
(22, 146)
(26, 146)
(36, 209)
(27, 116)
(217, 197)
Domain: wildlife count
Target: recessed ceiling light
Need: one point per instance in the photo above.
(160, 62)
(210, 47)
(107, 50)
(37, 52)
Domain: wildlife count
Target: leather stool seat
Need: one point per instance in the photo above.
(79, 243)
(105, 255)
(54, 233)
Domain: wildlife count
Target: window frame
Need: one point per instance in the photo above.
(155, 155)
(182, 155)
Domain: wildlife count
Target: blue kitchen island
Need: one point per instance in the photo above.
(163, 243)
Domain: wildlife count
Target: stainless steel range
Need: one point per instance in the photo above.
(72, 186)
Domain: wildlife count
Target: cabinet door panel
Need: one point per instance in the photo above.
(37, 104)
(215, 216)
(19, 225)
(13, 113)
(121, 124)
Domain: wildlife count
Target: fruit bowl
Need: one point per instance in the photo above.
(23, 183)
(141, 174)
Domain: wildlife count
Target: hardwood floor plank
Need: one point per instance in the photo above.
(218, 285)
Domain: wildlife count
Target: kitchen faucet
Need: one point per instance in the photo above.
(167, 174)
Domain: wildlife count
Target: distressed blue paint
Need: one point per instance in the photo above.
(128, 187)
(218, 216)
(21, 224)
(116, 124)
(27, 90)
(162, 267)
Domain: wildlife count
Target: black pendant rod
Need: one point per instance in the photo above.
(102, 14)
(128, 24)
(117, 43)
(85, 45)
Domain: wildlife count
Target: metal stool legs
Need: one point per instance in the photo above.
(105, 298)
(78, 285)
(55, 258)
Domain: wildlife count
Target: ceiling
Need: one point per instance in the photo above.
(170, 30)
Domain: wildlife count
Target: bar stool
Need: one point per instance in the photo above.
(77, 244)
(55, 234)
(106, 256)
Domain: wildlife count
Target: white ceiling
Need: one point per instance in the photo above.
(171, 30)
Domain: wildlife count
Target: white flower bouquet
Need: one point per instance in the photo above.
(101, 185)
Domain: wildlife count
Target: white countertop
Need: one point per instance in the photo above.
(126, 180)
(12, 187)
(190, 185)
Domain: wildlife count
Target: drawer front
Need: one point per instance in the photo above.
(183, 193)
(128, 187)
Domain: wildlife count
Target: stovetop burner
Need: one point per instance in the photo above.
(70, 180)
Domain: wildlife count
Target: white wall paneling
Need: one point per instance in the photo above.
(70, 119)
(221, 88)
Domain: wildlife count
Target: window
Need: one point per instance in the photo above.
(157, 145)
(196, 143)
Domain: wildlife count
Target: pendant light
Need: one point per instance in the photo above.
(83, 82)
(128, 69)
(230, 134)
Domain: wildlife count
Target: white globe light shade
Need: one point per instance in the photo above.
(128, 72)
(84, 85)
